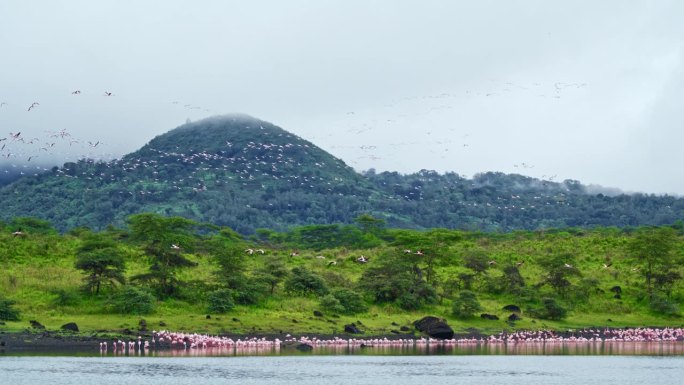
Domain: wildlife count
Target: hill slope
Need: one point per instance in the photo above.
(245, 173)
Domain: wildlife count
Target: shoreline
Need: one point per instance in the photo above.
(69, 343)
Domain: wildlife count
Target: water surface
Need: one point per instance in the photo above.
(345, 369)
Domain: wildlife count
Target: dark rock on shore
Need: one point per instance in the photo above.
(405, 329)
(36, 325)
(514, 317)
(489, 316)
(352, 329)
(513, 308)
(71, 326)
(434, 327)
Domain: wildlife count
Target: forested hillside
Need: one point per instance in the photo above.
(182, 275)
(247, 174)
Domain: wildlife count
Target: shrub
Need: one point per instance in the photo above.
(351, 301)
(550, 309)
(132, 300)
(65, 297)
(220, 301)
(409, 301)
(465, 305)
(331, 303)
(663, 305)
(304, 282)
(7, 311)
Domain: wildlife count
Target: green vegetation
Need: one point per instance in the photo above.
(174, 272)
(256, 178)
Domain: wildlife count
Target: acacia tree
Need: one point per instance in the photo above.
(654, 248)
(165, 241)
(559, 268)
(102, 261)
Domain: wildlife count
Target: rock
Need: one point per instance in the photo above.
(71, 326)
(235, 319)
(208, 316)
(352, 329)
(513, 308)
(489, 316)
(395, 331)
(616, 289)
(514, 317)
(434, 327)
(294, 321)
(296, 345)
(162, 323)
(395, 324)
(405, 329)
(318, 313)
(36, 325)
(142, 325)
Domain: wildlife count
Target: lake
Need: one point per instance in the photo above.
(603, 364)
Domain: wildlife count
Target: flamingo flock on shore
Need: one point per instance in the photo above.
(177, 340)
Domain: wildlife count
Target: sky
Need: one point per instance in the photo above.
(581, 90)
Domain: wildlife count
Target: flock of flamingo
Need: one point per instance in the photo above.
(165, 340)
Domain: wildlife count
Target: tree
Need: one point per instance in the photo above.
(465, 305)
(368, 224)
(654, 248)
(7, 310)
(304, 282)
(397, 277)
(559, 268)
(273, 273)
(512, 281)
(164, 240)
(102, 262)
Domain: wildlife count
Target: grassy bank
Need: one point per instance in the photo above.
(38, 273)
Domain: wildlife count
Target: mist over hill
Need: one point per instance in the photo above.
(241, 172)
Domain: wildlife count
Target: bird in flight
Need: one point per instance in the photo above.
(33, 105)
(108, 93)
(93, 145)
(77, 92)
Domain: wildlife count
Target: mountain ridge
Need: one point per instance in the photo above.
(245, 173)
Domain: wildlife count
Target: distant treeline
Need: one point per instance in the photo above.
(248, 174)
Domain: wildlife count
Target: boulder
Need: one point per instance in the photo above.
(36, 325)
(513, 308)
(616, 289)
(296, 345)
(71, 326)
(514, 317)
(489, 316)
(405, 329)
(434, 327)
(352, 329)
(318, 313)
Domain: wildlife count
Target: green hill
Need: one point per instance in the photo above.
(247, 174)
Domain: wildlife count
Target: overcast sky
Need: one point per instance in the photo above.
(586, 90)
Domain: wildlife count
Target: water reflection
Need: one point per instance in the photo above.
(541, 348)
